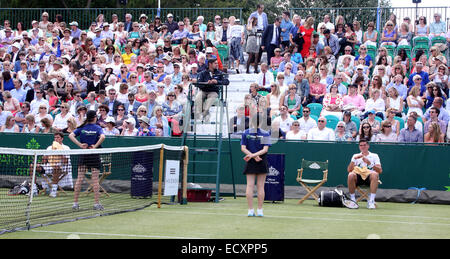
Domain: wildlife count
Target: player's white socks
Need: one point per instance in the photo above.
(54, 190)
(352, 197)
(372, 197)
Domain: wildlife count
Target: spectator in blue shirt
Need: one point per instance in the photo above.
(399, 86)
(262, 17)
(75, 32)
(422, 74)
(286, 26)
(98, 37)
(179, 34)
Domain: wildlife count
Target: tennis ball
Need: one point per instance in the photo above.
(373, 236)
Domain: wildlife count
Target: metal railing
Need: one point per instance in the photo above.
(85, 16)
(369, 14)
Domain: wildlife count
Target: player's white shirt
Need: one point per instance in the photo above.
(67, 180)
(373, 158)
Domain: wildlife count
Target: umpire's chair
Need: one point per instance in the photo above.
(311, 169)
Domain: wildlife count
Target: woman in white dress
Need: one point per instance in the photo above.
(273, 99)
(415, 102)
(394, 102)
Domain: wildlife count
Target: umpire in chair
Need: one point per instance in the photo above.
(209, 83)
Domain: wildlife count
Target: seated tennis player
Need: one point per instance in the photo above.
(57, 169)
(364, 169)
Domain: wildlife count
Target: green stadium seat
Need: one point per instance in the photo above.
(332, 121)
(223, 53)
(422, 42)
(438, 39)
(263, 93)
(357, 121)
(316, 108)
(372, 52)
(401, 121)
(378, 119)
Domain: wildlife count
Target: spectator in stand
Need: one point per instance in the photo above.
(354, 102)
(284, 120)
(421, 28)
(271, 38)
(261, 16)
(265, 77)
(302, 86)
(332, 103)
(321, 132)
(437, 28)
(179, 34)
(434, 113)
(331, 41)
(294, 133)
(424, 78)
(434, 134)
(317, 90)
(389, 35)
(171, 24)
(350, 126)
(341, 133)
(10, 125)
(409, 133)
(443, 115)
(129, 127)
(252, 47)
(286, 26)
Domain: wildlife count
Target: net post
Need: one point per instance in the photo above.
(185, 167)
(161, 164)
(33, 179)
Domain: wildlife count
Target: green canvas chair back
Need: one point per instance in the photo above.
(313, 170)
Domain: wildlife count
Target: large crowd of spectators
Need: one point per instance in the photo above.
(380, 85)
(136, 74)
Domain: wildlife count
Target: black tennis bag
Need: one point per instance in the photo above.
(330, 199)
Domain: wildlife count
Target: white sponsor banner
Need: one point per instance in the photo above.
(171, 177)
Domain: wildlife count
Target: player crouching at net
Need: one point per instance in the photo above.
(364, 169)
(255, 144)
(91, 137)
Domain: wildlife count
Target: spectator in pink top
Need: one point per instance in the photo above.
(354, 102)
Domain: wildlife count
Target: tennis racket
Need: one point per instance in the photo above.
(346, 201)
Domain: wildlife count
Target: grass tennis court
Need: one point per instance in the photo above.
(228, 220)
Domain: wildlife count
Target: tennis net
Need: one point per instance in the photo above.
(43, 187)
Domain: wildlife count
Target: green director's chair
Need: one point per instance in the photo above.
(316, 173)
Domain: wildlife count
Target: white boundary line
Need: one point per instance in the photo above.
(312, 218)
(110, 234)
(336, 214)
